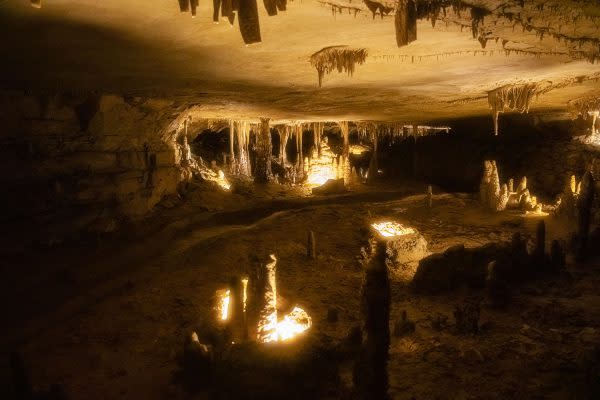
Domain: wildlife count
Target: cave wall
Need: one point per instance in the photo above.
(85, 160)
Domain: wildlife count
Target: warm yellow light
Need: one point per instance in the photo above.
(358, 149)
(392, 229)
(224, 297)
(294, 323)
(245, 292)
(222, 181)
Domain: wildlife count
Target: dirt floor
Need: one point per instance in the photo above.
(124, 311)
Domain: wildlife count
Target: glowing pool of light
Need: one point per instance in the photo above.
(392, 229)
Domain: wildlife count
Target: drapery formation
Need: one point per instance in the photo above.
(405, 22)
(340, 58)
(511, 98)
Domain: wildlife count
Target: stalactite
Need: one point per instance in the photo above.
(248, 21)
(511, 98)
(271, 7)
(340, 58)
(281, 5)
(375, 7)
(227, 10)
(405, 22)
(184, 5)
(36, 3)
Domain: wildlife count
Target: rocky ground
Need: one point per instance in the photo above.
(120, 337)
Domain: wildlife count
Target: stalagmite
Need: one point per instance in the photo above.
(496, 288)
(267, 326)
(585, 202)
(429, 196)
(484, 186)
(311, 245)
(370, 371)
(494, 188)
(340, 58)
(248, 21)
(405, 22)
(503, 198)
(511, 98)
(263, 172)
(236, 312)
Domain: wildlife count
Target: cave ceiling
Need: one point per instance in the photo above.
(153, 49)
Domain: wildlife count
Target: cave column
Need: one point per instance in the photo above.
(231, 151)
(299, 149)
(374, 163)
(263, 172)
(284, 135)
(346, 151)
(594, 115)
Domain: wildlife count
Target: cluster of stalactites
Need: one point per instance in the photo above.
(247, 12)
(340, 58)
(368, 130)
(496, 197)
(511, 98)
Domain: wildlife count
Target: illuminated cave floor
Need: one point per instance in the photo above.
(122, 344)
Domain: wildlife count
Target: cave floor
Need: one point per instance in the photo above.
(120, 338)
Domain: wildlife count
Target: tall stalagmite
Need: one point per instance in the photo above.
(263, 172)
(346, 150)
(267, 325)
(370, 373)
(406, 22)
